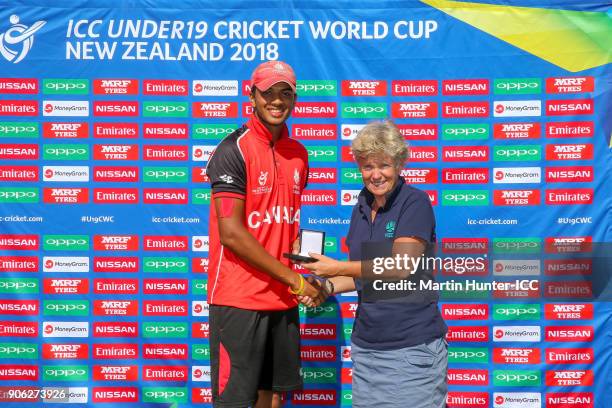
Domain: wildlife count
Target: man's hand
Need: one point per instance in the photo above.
(312, 300)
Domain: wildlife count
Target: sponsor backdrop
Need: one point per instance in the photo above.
(109, 115)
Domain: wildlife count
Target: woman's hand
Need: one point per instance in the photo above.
(324, 266)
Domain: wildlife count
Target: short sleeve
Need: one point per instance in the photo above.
(417, 218)
(226, 168)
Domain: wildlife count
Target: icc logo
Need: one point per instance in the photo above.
(16, 42)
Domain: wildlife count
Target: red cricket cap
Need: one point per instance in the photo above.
(272, 72)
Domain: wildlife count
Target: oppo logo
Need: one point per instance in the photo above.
(517, 311)
(17, 285)
(17, 350)
(17, 194)
(516, 86)
(321, 153)
(65, 308)
(318, 375)
(165, 264)
(465, 197)
(467, 354)
(65, 242)
(63, 372)
(516, 377)
(201, 351)
(165, 174)
(516, 245)
(213, 131)
(200, 286)
(518, 152)
(165, 329)
(465, 131)
(314, 87)
(165, 108)
(364, 109)
(165, 395)
(17, 129)
(202, 196)
(63, 151)
(65, 86)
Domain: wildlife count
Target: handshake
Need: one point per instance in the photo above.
(314, 292)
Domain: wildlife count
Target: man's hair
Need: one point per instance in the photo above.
(381, 138)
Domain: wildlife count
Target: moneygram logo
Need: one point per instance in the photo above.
(202, 152)
(66, 173)
(16, 42)
(165, 109)
(465, 132)
(349, 197)
(465, 197)
(317, 88)
(517, 400)
(65, 329)
(517, 153)
(504, 109)
(517, 86)
(349, 132)
(364, 110)
(216, 131)
(513, 175)
(65, 264)
(516, 333)
(214, 88)
(65, 87)
(65, 108)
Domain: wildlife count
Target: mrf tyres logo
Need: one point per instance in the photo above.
(16, 42)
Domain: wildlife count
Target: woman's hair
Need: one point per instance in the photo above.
(381, 138)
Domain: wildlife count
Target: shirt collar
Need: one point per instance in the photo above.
(261, 131)
(366, 198)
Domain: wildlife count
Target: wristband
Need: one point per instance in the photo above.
(329, 286)
(300, 289)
